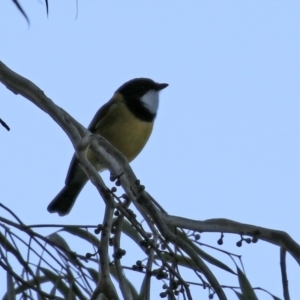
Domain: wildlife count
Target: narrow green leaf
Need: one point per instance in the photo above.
(131, 232)
(74, 290)
(276, 298)
(11, 293)
(203, 254)
(239, 295)
(142, 294)
(71, 294)
(183, 261)
(21, 10)
(133, 291)
(94, 274)
(8, 246)
(61, 242)
(84, 234)
(57, 281)
(23, 288)
(247, 290)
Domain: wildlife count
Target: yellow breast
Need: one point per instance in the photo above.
(123, 130)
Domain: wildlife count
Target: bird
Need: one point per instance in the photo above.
(126, 121)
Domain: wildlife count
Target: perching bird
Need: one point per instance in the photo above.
(126, 121)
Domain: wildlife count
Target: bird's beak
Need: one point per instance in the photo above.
(161, 86)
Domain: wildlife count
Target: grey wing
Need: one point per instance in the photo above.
(74, 168)
(100, 114)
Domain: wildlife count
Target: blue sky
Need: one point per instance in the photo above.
(226, 139)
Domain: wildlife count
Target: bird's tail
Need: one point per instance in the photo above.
(64, 201)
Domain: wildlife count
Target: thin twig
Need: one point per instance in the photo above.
(4, 125)
(285, 283)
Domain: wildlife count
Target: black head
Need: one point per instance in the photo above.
(141, 97)
(138, 87)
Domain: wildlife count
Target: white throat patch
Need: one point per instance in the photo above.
(150, 101)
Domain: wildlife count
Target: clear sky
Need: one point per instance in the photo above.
(226, 139)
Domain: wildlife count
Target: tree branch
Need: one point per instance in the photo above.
(276, 237)
(152, 212)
